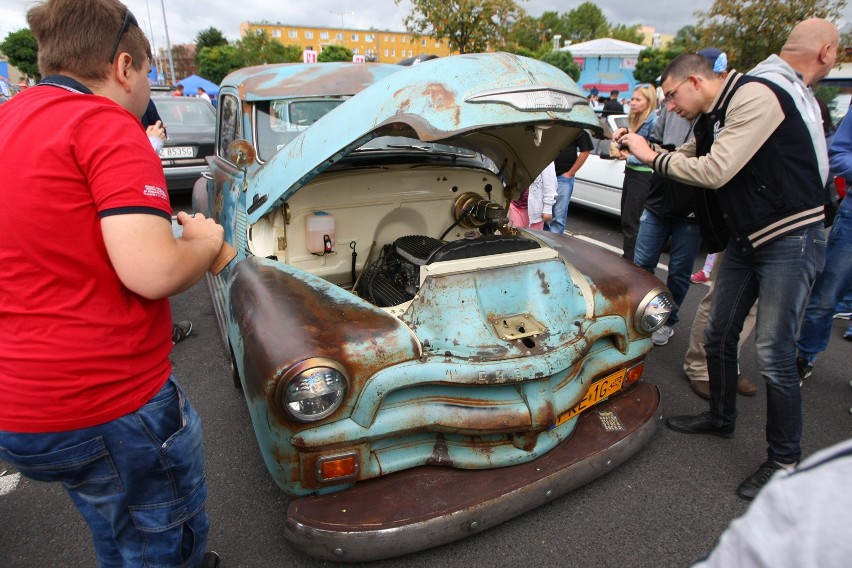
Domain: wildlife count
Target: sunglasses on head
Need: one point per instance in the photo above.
(129, 20)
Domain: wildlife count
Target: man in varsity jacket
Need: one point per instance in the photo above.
(764, 177)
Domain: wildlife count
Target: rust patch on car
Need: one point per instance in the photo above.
(612, 276)
(276, 81)
(442, 99)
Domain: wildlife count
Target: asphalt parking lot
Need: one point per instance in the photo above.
(665, 507)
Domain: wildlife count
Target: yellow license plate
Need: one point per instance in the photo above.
(597, 392)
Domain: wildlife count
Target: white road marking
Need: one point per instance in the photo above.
(8, 483)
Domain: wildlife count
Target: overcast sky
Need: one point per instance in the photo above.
(185, 18)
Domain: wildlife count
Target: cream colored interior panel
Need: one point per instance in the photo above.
(366, 209)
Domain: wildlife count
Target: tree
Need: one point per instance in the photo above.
(564, 61)
(751, 30)
(468, 26)
(21, 49)
(257, 48)
(624, 33)
(585, 22)
(527, 33)
(335, 53)
(216, 62)
(688, 39)
(210, 37)
(651, 63)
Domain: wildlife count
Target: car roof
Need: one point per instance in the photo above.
(284, 80)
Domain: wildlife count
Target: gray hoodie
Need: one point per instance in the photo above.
(775, 69)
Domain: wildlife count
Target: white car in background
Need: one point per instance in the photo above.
(598, 183)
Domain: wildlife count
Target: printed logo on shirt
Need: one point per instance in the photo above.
(154, 191)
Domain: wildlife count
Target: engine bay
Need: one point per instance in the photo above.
(394, 278)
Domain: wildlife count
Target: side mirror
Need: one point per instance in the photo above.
(241, 153)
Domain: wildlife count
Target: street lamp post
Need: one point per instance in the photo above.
(168, 43)
(341, 14)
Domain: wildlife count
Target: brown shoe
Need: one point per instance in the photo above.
(744, 387)
(701, 388)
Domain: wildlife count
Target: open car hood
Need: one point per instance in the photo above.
(519, 112)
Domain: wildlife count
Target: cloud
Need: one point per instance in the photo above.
(185, 19)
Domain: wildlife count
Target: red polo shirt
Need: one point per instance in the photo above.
(77, 348)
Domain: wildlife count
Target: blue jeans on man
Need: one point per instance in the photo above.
(138, 480)
(564, 189)
(829, 289)
(654, 230)
(780, 274)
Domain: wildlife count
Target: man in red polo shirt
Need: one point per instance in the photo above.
(87, 396)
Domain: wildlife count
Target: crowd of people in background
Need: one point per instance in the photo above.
(690, 159)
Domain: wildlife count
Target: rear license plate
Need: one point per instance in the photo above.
(176, 152)
(599, 390)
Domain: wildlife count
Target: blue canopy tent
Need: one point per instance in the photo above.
(191, 84)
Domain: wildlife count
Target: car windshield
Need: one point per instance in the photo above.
(181, 112)
(279, 122)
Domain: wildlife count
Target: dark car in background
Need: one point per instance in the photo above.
(190, 127)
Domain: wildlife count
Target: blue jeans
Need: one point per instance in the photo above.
(686, 239)
(779, 275)
(829, 289)
(564, 189)
(138, 480)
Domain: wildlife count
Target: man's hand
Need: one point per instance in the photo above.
(635, 144)
(157, 131)
(197, 226)
(546, 217)
(150, 261)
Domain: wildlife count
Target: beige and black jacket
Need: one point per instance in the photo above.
(755, 150)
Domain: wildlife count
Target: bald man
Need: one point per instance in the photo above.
(764, 169)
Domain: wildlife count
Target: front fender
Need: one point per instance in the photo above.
(282, 315)
(620, 285)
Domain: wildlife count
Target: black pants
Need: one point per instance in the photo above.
(634, 193)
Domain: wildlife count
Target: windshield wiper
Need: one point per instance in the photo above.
(409, 147)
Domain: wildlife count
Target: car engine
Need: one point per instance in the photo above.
(394, 278)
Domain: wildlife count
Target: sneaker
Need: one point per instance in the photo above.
(847, 335)
(749, 488)
(181, 331)
(805, 369)
(210, 560)
(662, 335)
(699, 277)
(843, 315)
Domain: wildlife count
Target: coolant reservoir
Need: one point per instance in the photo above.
(320, 232)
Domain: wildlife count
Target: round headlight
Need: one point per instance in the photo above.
(654, 311)
(313, 392)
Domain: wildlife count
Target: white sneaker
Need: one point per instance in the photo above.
(662, 335)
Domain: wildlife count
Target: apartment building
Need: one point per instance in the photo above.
(375, 45)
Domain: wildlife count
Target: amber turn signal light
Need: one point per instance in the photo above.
(634, 373)
(338, 467)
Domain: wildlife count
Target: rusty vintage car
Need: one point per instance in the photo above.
(415, 370)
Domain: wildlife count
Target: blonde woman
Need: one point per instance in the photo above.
(637, 176)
